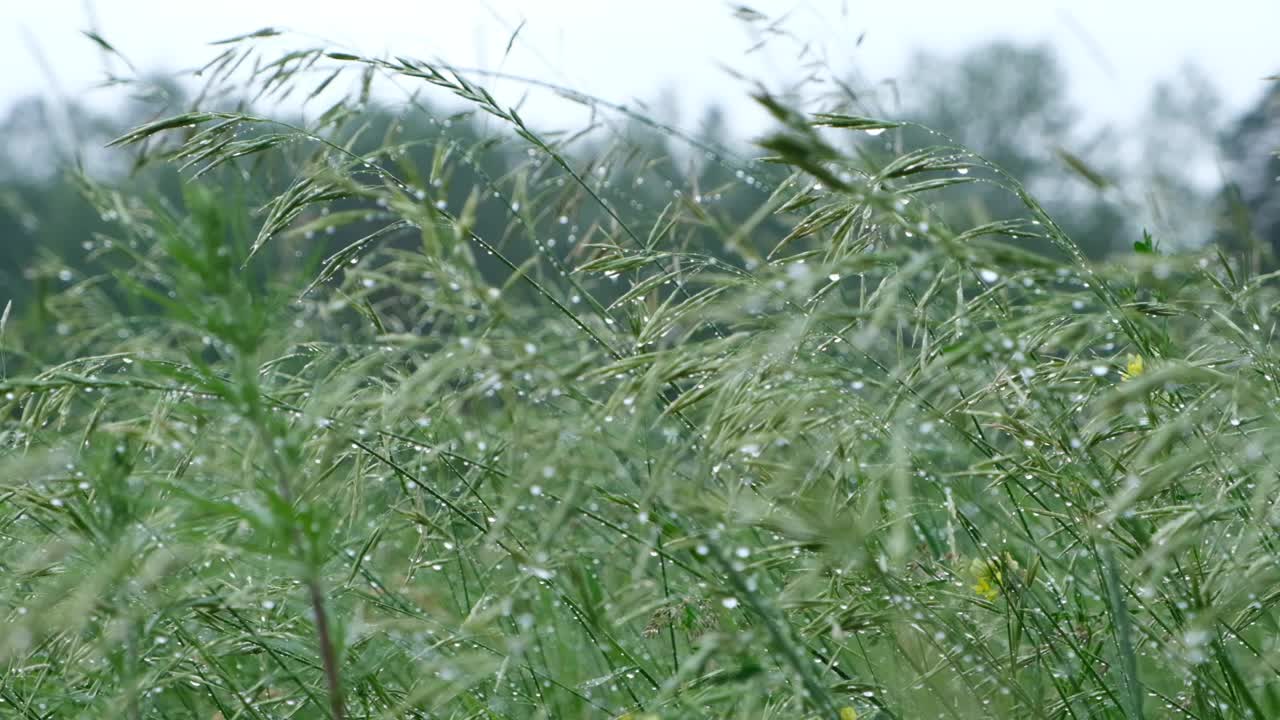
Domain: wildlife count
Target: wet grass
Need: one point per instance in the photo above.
(854, 461)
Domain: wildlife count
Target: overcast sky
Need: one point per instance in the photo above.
(1113, 49)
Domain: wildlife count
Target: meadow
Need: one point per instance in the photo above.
(849, 456)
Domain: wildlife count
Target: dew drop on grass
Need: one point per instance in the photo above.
(988, 276)
(798, 271)
(730, 602)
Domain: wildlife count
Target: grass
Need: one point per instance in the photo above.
(676, 465)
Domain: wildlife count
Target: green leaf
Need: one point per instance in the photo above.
(1122, 625)
(1145, 246)
(852, 122)
(264, 32)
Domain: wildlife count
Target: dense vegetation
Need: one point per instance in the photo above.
(349, 423)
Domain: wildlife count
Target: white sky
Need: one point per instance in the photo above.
(620, 50)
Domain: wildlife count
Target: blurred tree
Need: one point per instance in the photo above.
(1005, 101)
(1251, 199)
(1177, 165)
(1009, 103)
(40, 207)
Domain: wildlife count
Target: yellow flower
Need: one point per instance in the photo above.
(848, 713)
(985, 574)
(1134, 368)
(989, 577)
